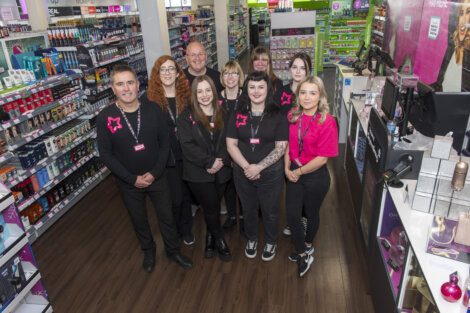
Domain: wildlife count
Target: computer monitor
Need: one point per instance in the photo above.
(389, 99)
(437, 113)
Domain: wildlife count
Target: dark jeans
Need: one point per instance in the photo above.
(135, 201)
(180, 199)
(209, 196)
(263, 192)
(308, 194)
(231, 200)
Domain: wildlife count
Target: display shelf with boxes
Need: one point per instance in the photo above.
(19, 275)
(185, 26)
(345, 37)
(260, 27)
(92, 174)
(379, 21)
(288, 38)
(238, 32)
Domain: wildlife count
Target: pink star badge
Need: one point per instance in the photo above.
(114, 123)
(285, 98)
(241, 120)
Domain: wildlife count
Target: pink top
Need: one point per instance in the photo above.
(319, 140)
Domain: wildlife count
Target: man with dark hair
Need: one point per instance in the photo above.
(196, 56)
(133, 141)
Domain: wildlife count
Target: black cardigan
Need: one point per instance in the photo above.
(198, 155)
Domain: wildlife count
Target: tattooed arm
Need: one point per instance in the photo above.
(254, 169)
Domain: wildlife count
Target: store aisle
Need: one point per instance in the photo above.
(91, 262)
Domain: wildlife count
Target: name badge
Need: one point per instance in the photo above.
(139, 147)
(297, 161)
(211, 124)
(254, 141)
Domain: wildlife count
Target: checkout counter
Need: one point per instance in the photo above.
(407, 278)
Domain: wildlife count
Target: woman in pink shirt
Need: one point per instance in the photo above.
(313, 138)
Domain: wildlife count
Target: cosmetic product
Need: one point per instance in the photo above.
(460, 174)
(450, 290)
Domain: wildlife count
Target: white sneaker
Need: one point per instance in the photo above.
(286, 231)
(269, 252)
(250, 249)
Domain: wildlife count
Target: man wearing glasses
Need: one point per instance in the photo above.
(196, 57)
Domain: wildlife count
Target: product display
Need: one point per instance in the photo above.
(450, 290)
(238, 32)
(187, 26)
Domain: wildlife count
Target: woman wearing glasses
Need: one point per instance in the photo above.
(313, 138)
(232, 79)
(168, 87)
(257, 136)
(205, 159)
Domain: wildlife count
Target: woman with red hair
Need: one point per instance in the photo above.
(169, 88)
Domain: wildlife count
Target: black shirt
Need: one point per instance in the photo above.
(230, 105)
(285, 98)
(117, 145)
(272, 128)
(213, 74)
(175, 153)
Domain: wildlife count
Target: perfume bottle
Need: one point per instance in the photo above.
(466, 295)
(450, 290)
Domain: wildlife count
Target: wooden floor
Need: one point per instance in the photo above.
(90, 262)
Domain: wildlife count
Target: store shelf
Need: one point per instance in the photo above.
(41, 85)
(376, 32)
(24, 35)
(37, 133)
(46, 161)
(19, 297)
(33, 308)
(54, 182)
(92, 44)
(61, 208)
(13, 249)
(6, 201)
(42, 109)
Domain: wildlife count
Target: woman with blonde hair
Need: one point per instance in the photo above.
(313, 138)
(232, 78)
(168, 87)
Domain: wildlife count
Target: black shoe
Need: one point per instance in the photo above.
(223, 250)
(230, 222)
(304, 264)
(149, 261)
(189, 239)
(209, 251)
(181, 260)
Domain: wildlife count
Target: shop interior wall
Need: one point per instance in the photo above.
(9, 6)
(426, 32)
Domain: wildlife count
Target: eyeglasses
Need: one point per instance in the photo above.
(166, 70)
(195, 55)
(226, 74)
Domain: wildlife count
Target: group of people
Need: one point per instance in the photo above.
(197, 135)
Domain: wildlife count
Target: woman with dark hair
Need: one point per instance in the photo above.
(232, 78)
(205, 159)
(300, 66)
(261, 61)
(256, 140)
(168, 87)
(313, 138)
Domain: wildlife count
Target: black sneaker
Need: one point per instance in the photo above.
(269, 252)
(295, 256)
(250, 249)
(189, 240)
(304, 264)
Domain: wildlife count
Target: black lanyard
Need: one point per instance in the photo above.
(254, 132)
(300, 136)
(236, 100)
(171, 112)
(134, 134)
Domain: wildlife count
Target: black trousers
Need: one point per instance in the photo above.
(231, 200)
(308, 194)
(135, 201)
(209, 196)
(180, 199)
(263, 192)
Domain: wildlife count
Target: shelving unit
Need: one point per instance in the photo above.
(292, 32)
(378, 26)
(350, 22)
(260, 27)
(186, 26)
(22, 288)
(238, 32)
(52, 164)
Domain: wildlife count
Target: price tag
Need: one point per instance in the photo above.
(16, 121)
(66, 201)
(10, 99)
